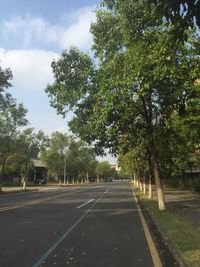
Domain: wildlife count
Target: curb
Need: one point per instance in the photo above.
(177, 255)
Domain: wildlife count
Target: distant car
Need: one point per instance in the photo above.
(41, 181)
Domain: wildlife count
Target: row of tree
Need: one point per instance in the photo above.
(140, 97)
(19, 145)
(72, 161)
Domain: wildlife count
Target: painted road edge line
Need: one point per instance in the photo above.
(150, 242)
(69, 230)
(85, 203)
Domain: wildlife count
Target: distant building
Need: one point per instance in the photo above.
(40, 170)
(115, 167)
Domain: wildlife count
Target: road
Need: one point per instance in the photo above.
(87, 226)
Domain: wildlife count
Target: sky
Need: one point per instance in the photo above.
(32, 34)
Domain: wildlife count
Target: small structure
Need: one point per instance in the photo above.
(40, 170)
(115, 167)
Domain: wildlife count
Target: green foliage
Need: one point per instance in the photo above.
(54, 156)
(134, 162)
(72, 74)
(17, 146)
(25, 147)
(182, 14)
(12, 117)
(5, 98)
(104, 170)
(64, 149)
(142, 91)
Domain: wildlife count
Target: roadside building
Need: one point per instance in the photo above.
(40, 170)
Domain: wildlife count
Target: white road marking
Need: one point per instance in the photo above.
(85, 203)
(65, 235)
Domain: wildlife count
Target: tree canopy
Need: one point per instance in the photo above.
(143, 77)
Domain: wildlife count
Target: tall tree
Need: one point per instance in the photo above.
(5, 82)
(143, 74)
(11, 119)
(104, 170)
(55, 155)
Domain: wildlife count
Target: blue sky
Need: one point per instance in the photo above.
(32, 34)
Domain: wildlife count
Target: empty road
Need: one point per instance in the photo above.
(88, 226)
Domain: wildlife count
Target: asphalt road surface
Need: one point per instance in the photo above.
(88, 226)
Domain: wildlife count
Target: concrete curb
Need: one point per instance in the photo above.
(177, 255)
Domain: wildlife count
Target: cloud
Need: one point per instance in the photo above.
(30, 29)
(78, 33)
(74, 30)
(31, 68)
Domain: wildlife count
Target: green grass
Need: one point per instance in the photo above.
(184, 236)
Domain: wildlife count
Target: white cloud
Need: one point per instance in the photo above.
(36, 29)
(31, 68)
(31, 29)
(78, 33)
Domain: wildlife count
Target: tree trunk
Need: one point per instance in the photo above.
(137, 181)
(87, 177)
(140, 183)
(144, 185)
(150, 176)
(150, 187)
(24, 185)
(147, 106)
(134, 179)
(160, 194)
(156, 170)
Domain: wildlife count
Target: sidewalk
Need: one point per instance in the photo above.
(184, 203)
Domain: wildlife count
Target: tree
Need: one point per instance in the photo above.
(26, 148)
(5, 98)
(81, 160)
(104, 170)
(55, 156)
(129, 93)
(88, 162)
(68, 156)
(182, 14)
(11, 119)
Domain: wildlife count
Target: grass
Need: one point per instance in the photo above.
(184, 236)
